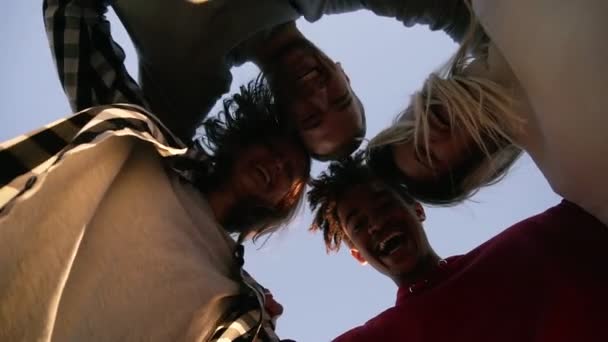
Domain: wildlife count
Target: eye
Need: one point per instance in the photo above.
(436, 119)
(359, 225)
(385, 205)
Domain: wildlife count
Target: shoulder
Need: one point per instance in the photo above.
(378, 328)
(547, 232)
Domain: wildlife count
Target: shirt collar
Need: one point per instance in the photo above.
(434, 277)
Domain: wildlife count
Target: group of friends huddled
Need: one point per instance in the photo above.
(125, 221)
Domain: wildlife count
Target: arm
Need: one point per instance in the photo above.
(90, 65)
(450, 16)
(558, 53)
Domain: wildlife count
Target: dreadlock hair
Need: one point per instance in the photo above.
(328, 189)
(247, 118)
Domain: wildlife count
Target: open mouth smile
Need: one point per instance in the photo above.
(390, 244)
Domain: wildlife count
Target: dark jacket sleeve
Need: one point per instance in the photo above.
(90, 64)
(450, 16)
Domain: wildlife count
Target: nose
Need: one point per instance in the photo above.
(317, 98)
(374, 227)
(377, 219)
(279, 164)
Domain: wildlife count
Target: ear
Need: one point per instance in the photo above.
(419, 212)
(355, 254)
(339, 65)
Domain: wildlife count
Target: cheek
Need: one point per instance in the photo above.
(240, 170)
(276, 193)
(361, 243)
(403, 155)
(236, 170)
(457, 149)
(309, 137)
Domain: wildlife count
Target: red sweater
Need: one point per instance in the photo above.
(543, 279)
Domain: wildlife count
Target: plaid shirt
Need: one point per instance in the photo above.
(91, 69)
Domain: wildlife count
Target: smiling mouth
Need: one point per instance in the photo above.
(264, 174)
(390, 244)
(310, 122)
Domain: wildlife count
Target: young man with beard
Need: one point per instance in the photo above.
(185, 62)
(543, 279)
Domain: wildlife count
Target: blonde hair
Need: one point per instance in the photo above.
(482, 108)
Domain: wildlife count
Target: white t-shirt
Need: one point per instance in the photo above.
(127, 252)
(557, 50)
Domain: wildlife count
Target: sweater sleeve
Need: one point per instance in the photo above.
(450, 16)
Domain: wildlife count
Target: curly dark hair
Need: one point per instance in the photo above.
(248, 117)
(327, 190)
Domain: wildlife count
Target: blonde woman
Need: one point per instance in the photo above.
(538, 82)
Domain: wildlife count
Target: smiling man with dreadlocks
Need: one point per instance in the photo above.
(534, 281)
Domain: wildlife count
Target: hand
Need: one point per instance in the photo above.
(273, 308)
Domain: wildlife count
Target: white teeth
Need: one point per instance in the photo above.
(382, 244)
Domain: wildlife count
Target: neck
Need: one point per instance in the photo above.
(221, 200)
(264, 50)
(421, 272)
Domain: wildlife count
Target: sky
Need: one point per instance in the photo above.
(323, 295)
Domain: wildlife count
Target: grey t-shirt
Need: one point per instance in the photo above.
(186, 47)
(184, 50)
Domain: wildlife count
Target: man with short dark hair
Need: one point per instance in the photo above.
(185, 62)
(186, 50)
(543, 279)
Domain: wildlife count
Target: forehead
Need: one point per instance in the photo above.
(412, 163)
(362, 196)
